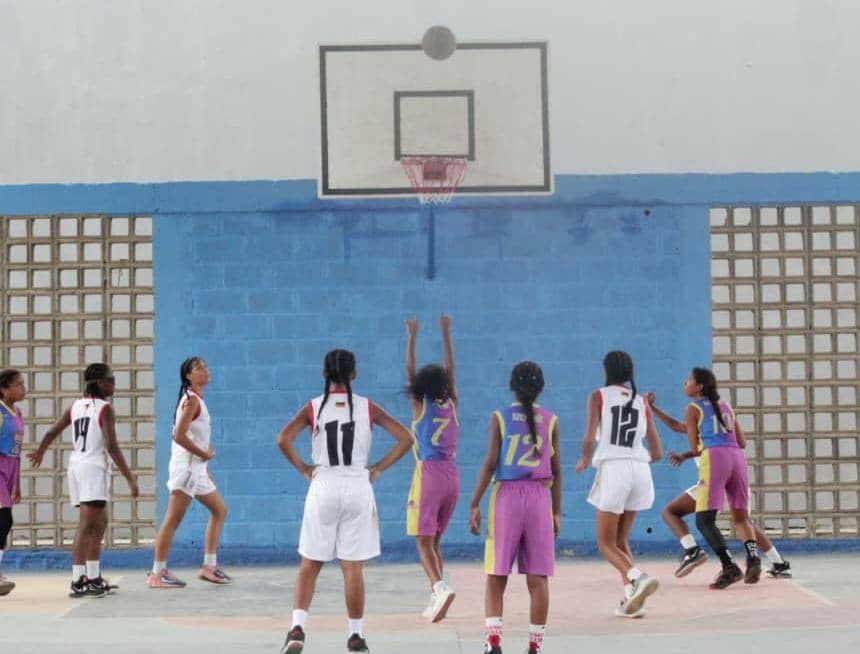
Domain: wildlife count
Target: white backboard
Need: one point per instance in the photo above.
(486, 103)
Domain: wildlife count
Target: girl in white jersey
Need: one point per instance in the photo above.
(621, 424)
(340, 519)
(94, 440)
(189, 479)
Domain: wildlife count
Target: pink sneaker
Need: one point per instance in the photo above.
(214, 574)
(163, 580)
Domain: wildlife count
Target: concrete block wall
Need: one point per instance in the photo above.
(263, 295)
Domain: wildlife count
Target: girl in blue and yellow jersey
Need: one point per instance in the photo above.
(715, 435)
(12, 390)
(436, 481)
(525, 504)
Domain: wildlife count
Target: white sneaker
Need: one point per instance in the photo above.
(642, 588)
(429, 610)
(442, 599)
(621, 612)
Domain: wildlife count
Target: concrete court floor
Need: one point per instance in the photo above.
(818, 610)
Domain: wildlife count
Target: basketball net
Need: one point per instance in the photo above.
(435, 179)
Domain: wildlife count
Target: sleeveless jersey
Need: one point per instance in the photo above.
(199, 431)
(520, 455)
(337, 441)
(435, 431)
(621, 430)
(711, 432)
(88, 438)
(11, 431)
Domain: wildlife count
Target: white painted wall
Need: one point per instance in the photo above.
(152, 90)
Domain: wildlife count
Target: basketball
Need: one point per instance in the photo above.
(439, 42)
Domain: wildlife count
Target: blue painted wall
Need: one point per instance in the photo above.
(261, 279)
(263, 296)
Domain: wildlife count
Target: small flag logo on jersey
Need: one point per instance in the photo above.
(340, 405)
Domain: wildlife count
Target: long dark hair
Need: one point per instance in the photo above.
(338, 367)
(184, 370)
(431, 381)
(94, 373)
(706, 379)
(526, 384)
(618, 366)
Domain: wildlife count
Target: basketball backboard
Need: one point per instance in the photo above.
(486, 103)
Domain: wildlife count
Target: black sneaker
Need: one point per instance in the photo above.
(295, 641)
(493, 645)
(753, 573)
(780, 570)
(356, 643)
(84, 588)
(690, 560)
(101, 582)
(728, 576)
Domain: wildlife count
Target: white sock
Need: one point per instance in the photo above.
(536, 634)
(439, 586)
(158, 567)
(688, 541)
(93, 570)
(494, 626)
(356, 627)
(300, 617)
(633, 574)
(78, 571)
(773, 556)
(210, 560)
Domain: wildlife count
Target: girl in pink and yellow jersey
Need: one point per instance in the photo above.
(525, 503)
(436, 481)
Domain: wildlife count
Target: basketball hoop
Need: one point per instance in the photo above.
(435, 179)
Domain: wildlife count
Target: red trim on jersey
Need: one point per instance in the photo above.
(311, 415)
(101, 412)
(370, 413)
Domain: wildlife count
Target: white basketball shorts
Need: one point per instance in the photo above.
(88, 483)
(622, 485)
(340, 520)
(192, 480)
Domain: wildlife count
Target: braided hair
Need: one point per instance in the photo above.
(184, 370)
(526, 384)
(94, 373)
(706, 379)
(618, 366)
(338, 367)
(432, 382)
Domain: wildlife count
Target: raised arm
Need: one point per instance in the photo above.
(665, 418)
(402, 435)
(590, 437)
(190, 407)
(285, 442)
(485, 475)
(411, 337)
(445, 328)
(112, 446)
(50, 436)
